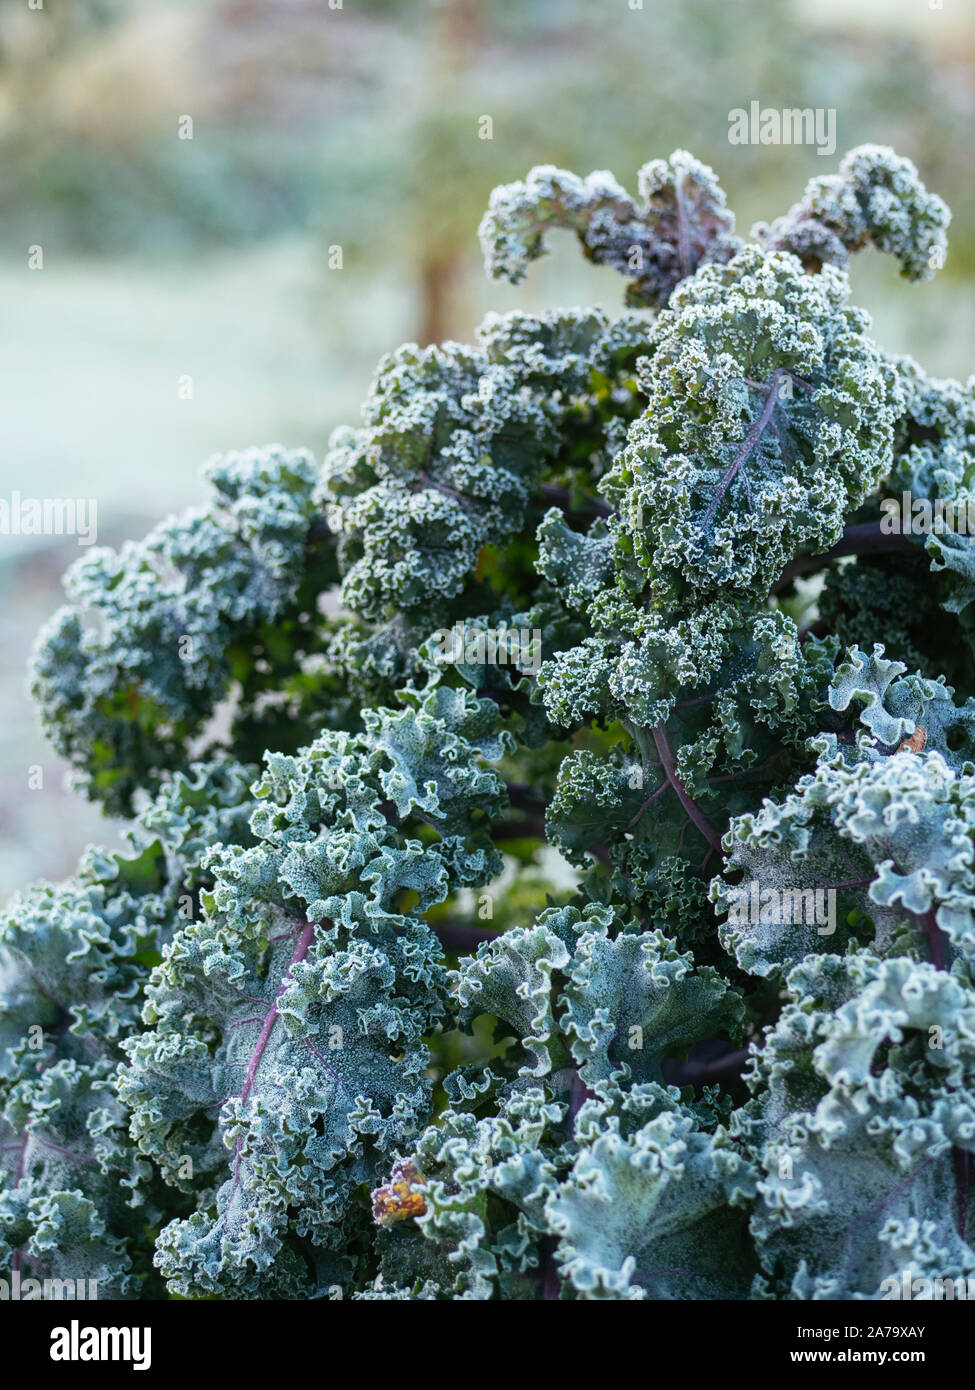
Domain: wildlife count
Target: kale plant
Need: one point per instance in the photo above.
(551, 870)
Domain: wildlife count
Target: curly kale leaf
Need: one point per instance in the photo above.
(580, 1176)
(770, 417)
(885, 824)
(862, 1121)
(876, 199)
(680, 223)
(654, 1206)
(76, 1198)
(134, 669)
(584, 990)
(713, 719)
(913, 602)
(454, 446)
(638, 1201)
(285, 1030)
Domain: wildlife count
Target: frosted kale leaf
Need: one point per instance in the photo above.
(502, 1199)
(634, 999)
(454, 446)
(924, 505)
(135, 667)
(284, 1030)
(904, 712)
(482, 1183)
(680, 223)
(512, 980)
(713, 718)
(317, 1068)
(71, 1208)
(884, 825)
(586, 989)
(638, 1201)
(862, 1115)
(770, 417)
(931, 494)
(938, 412)
(654, 1206)
(76, 1199)
(876, 199)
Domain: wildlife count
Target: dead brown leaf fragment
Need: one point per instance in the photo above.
(400, 1198)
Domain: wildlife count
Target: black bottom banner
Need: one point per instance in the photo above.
(170, 1339)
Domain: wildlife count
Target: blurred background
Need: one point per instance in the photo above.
(319, 124)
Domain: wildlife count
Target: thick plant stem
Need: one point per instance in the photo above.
(560, 497)
(865, 538)
(748, 444)
(459, 938)
(524, 798)
(527, 828)
(300, 951)
(695, 814)
(936, 940)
